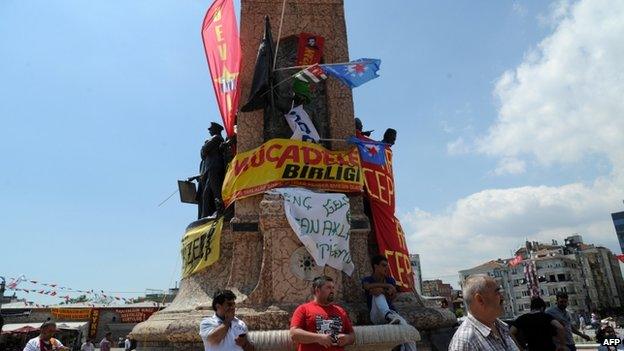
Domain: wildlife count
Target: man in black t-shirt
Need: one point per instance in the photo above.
(534, 331)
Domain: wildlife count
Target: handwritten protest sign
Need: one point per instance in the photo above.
(322, 222)
(201, 246)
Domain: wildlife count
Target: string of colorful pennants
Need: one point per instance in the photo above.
(58, 290)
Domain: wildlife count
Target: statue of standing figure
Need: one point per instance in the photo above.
(212, 173)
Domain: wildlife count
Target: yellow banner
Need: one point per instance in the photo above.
(285, 162)
(201, 246)
(66, 314)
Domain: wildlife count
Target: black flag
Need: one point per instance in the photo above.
(260, 95)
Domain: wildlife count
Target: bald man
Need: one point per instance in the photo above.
(482, 330)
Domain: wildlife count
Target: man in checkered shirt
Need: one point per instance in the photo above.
(482, 330)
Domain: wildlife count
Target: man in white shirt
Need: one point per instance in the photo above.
(482, 330)
(45, 340)
(87, 346)
(223, 331)
(127, 343)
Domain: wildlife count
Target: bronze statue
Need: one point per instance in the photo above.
(228, 148)
(212, 173)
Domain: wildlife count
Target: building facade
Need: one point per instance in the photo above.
(437, 288)
(499, 270)
(618, 222)
(590, 275)
(415, 262)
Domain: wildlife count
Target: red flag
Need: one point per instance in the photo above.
(379, 180)
(515, 261)
(223, 52)
(620, 257)
(310, 49)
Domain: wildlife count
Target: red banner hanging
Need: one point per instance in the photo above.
(94, 319)
(310, 49)
(135, 315)
(620, 257)
(379, 183)
(223, 52)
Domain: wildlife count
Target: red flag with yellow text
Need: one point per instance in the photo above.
(379, 184)
(223, 52)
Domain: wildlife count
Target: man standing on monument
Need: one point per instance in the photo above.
(212, 172)
(390, 136)
(320, 324)
(223, 331)
(380, 289)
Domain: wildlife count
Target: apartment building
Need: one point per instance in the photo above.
(589, 274)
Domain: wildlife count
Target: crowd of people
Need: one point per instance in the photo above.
(541, 329)
(319, 324)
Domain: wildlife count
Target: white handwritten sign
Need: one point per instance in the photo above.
(322, 222)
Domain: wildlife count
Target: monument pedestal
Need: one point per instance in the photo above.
(262, 260)
(270, 272)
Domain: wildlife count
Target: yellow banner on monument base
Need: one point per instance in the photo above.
(201, 246)
(285, 162)
(67, 314)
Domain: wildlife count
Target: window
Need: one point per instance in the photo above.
(561, 277)
(552, 278)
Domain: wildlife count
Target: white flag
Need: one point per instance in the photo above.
(301, 125)
(322, 223)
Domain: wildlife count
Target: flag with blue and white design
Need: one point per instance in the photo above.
(354, 73)
(370, 151)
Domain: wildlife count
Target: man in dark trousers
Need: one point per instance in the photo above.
(212, 170)
(536, 329)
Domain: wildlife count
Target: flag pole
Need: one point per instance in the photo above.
(271, 86)
(320, 64)
(279, 32)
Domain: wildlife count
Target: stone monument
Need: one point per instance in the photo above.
(262, 260)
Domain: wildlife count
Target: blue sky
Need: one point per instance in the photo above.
(506, 113)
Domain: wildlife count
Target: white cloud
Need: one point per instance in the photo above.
(489, 224)
(458, 147)
(562, 104)
(564, 101)
(509, 165)
(518, 9)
